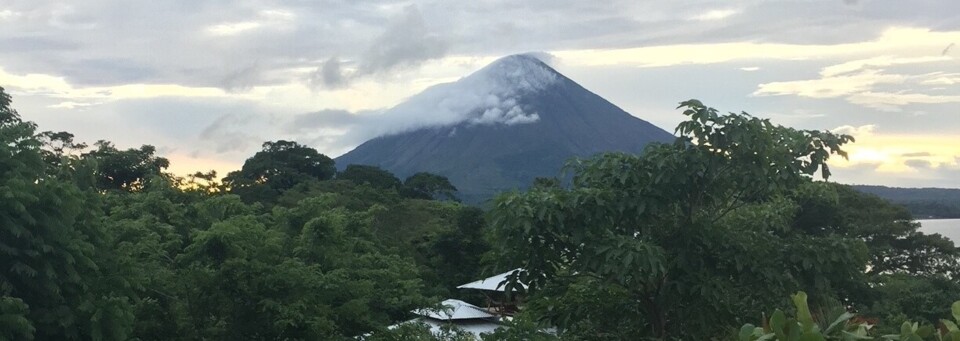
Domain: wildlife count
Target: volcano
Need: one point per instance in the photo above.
(503, 126)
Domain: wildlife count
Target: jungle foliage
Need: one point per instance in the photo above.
(686, 241)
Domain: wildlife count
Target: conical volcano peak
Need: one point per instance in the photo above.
(494, 95)
(519, 72)
(502, 127)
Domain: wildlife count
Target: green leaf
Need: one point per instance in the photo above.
(906, 329)
(851, 336)
(777, 324)
(950, 325)
(811, 336)
(925, 331)
(955, 309)
(843, 318)
(803, 311)
(746, 332)
(766, 337)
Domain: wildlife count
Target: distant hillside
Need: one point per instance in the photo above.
(922, 202)
(518, 119)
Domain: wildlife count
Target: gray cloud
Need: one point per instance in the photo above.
(917, 154)
(243, 78)
(406, 42)
(239, 46)
(229, 133)
(171, 42)
(324, 118)
(916, 163)
(330, 75)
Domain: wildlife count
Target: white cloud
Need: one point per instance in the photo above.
(888, 101)
(72, 105)
(513, 115)
(8, 14)
(717, 14)
(860, 64)
(69, 96)
(228, 29)
(120, 63)
(866, 82)
(939, 78)
(488, 96)
(829, 87)
(890, 159)
(278, 14)
(271, 17)
(856, 132)
(904, 42)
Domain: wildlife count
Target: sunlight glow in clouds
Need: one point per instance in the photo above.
(73, 97)
(894, 153)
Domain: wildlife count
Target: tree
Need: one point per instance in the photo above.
(456, 254)
(56, 281)
(541, 182)
(429, 186)
(281, 165)
(910, 273)
(689, 231)
(896, 245)
(373, 176)
(125, 169)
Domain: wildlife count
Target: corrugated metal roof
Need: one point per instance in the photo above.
(494, 283)
(455, 310)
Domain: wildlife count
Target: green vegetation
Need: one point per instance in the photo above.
(686, 241)
(690, 238)
(104, 245)
(805, 326)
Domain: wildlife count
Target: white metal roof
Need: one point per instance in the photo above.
(494, 283)
(475, 327)
(455, 310)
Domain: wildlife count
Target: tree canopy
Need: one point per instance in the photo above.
(688, 240)
(370, 175)
(428, 186)
(691, 237)
(281, 165)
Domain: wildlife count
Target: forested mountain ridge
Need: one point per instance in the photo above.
(923, 203)
(530, 121)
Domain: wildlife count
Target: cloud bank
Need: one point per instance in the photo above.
(209, 80)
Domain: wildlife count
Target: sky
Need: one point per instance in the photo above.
(207, 81)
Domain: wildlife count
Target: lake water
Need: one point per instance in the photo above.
(949, 228)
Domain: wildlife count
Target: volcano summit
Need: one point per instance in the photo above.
(501, 127)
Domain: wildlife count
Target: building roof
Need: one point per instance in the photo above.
(493, 283)
(475, 327)
(455, 310)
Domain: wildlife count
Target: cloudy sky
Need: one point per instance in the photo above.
(207, 81)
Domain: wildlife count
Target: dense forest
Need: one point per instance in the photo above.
(922, 202)
(690, 240)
